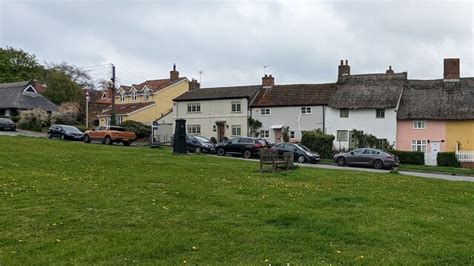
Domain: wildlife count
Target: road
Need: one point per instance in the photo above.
(26, 133)
(362, 169)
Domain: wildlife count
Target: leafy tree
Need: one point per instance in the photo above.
(61, 89)
(364, 140)
(318, 141)
(254, 125)
(18, 65)
(74, 73)
(285, 134)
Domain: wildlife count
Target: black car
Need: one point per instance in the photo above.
(245, 146)
(7, 124)
(302, 153)
(199, 144)
(367, 157)
(65, 132)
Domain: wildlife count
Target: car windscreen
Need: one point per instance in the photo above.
(5, 120)
(71, 129)
(117, 128)
(202, 139)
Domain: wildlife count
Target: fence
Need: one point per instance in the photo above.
(430, 158)
(465, 156)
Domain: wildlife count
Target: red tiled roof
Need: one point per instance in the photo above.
(294, 95)
(154, 84)
(127, 108)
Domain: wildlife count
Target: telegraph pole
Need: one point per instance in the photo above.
(112, 112)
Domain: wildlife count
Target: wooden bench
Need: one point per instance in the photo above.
(269, 156)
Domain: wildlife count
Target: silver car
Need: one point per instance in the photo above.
(367, 157)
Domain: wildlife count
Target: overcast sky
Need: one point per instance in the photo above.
(231, 41)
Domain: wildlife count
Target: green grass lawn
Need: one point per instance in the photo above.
(64, 202)
(438, 169)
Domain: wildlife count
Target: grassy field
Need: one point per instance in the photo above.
(63, 202)
(438, 169)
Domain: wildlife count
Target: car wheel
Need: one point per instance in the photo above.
(49, 136)
(197, 150)
(378, 164)
(108, 141)
(126, 143)
(247, 154)
(87, 139)
(221, 152)
(301, 159)
(63, 137)
(341, 161)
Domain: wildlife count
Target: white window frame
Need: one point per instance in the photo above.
(265, 111)
(234, 129)
(134, 96)
(292, 134)
(236, 107)
(193, 108)
(264, 133)
(380, 113)
(118, 120)
(338, 137)
(194, 129)
(341, 110)
(306, 110)
(122, 96)
(419, 145)
(419, 124)
(146, 95)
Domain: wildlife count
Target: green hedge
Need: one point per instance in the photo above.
(409, 157)
(319, 142)
(140, 129)
(447, 159)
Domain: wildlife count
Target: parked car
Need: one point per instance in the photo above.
(7, 124)
(302, 154)
(367, 157)
(110, 134)
(199, 144)
(65, 132)
(245, 146)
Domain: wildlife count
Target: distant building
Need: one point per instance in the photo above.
(18, 96)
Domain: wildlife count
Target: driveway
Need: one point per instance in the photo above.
(21, 132)
(362, 169)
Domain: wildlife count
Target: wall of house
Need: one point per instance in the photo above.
(213, 111)
(435, 130)
(362, 119)
(289, 117)
(462, 131)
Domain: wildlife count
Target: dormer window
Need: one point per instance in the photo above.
(134, 95)
(122, 97)
(30, 89)
(146, 95)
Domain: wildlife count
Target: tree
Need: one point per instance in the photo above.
(363, 140)
(254, 125)
(61, 89)
(318, 141)
(285, 134)
(74, 73)
(18, 65)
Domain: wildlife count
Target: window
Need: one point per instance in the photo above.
(246, 140)
(380, 113)
(418, 145)
(265, 111)
(134, 96)
(264, 133)
(342, 135)
(382, 144)
(420, 124)
(344, 113)
(194, 107)
(236, 107)
(236, 130)
(194, 129)
(122, 97)
(306, 110)
(146, 95)
(292, 134)
(118, 120)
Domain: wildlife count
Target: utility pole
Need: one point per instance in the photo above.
(112, 112)
(87, 108)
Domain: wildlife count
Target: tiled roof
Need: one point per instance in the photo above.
(294, 95)
(154, 85)
(126, 108)
(219, 93)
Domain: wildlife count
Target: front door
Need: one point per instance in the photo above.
(220, 132)
(435, 147)
(277, 135)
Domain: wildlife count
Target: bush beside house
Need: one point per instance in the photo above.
(319, 142)
(140, 129)
(34, 120)
(409, 157)
(447, 159)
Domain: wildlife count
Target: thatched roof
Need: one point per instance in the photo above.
(14, 95)
(219, 93)
(438, 100)
(294, 95)
(368, 91)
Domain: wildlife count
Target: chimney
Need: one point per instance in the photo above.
(451, 69)
(344, 69)
(174, 75)
(268, 81)
(194, 85)
(389, 70)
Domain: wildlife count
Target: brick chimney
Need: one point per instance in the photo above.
(268, 81)
(451, 69)
(344, 69)
(194, 85)
(174, 75)
(389, 70)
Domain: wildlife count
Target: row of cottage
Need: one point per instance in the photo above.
(418, 115)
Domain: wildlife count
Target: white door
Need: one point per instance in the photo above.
(435, 146)
(430, 157)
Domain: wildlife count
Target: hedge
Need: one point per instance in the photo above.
(140, 129)
(319, 142)
(447, 159)
(409, 157)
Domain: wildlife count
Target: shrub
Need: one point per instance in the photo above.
(15, 118)
(319, 142)
(409, 157)
(447, 159)
(140, 129)
(213, 140)
(66, 118)
(33, 120)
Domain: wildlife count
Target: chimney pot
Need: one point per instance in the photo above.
(344, 70)
(451, 69)
(347, 62)
(174, 75)
(389, 70)
(268, 81)
(342, 62)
